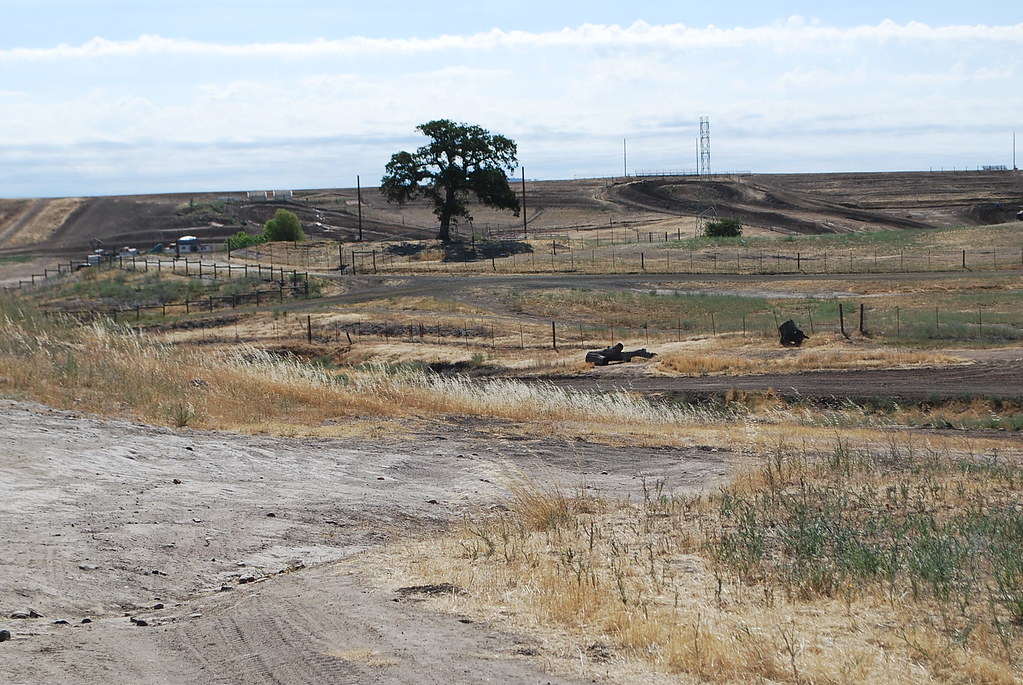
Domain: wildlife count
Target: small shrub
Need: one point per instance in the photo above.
(723, 228)
(241, 239)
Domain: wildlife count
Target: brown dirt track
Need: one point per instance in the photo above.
(995, 374)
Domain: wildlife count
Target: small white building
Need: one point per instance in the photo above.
(269, 195)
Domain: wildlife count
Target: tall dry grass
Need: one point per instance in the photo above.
(108, 369)
(896, 565)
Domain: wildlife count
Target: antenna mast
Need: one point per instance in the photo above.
(704, 146)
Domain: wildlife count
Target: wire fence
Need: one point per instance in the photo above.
(990, 323)
(611, 253)
(183, 267)
(280, 283)
(836, 322)
(612, 256)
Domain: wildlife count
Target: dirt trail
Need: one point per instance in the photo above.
(995, 374)
(234, 550)
(27, 217)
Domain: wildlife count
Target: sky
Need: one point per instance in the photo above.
(110, 97)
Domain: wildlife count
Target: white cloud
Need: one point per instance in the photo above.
(777, 95)
(793, 35)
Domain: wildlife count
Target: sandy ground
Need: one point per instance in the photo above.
(144, 554)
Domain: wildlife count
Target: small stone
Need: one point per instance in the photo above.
(158, 605)
(140, 621)
(86, 620)
(196, 615)
(60, 622)
(176, 481)
(88, 567)
(271, 515)
(5, 635)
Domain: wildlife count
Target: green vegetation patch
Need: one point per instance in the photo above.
(904, 522)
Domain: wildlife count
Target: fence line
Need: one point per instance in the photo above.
(898, 323)
(559, 258)
(563, 255)
(185, 267)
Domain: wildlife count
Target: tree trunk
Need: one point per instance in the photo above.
(444, 235)
(616, 353)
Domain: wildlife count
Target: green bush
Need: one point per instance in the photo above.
(723, 228)
(242, 239)
(284, 226)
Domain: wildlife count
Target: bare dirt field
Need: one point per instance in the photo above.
(154, 555)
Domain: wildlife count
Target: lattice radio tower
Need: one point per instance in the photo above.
(707, 209)
(704, 146)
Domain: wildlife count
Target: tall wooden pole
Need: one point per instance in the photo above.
(358, 199)
(525, 231)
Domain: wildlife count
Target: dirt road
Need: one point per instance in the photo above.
(176, 556)
(998, 374)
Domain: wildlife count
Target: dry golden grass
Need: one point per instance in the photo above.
(641, 592)
(106, 370)
(371, 391)
(753, 356)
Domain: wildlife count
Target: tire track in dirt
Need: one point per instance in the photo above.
(101, 493)
(995, 380)
(25, 219)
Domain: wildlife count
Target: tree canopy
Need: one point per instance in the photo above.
(460, 161)
(284, 226)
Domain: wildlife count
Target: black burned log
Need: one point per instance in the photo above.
(615, 353)
(791, 336)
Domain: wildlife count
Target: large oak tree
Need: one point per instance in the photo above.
(460, 161)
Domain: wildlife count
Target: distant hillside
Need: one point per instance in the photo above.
(785, 203)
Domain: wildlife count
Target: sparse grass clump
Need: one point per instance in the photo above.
(878, 564)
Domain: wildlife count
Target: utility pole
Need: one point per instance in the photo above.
(625, 158)
(525, 231)
(358, 200)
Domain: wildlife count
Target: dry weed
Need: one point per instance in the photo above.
(726, 586)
